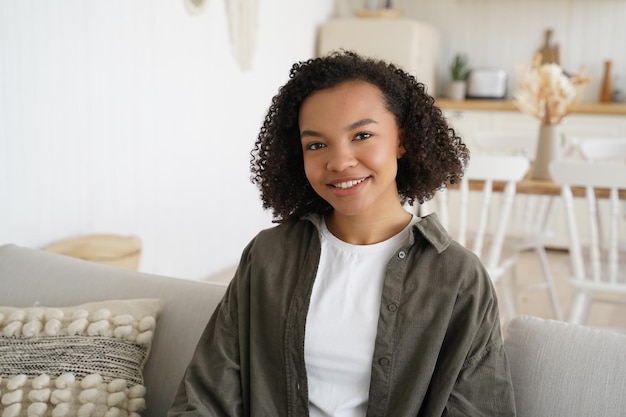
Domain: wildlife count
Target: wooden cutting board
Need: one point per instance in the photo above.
(549, 51)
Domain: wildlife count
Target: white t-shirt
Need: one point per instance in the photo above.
(342, 322)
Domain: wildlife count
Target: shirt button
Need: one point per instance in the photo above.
(402, 254)
(384, 362)
(392, 307)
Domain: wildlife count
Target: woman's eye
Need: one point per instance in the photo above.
(362, 135)
(314, 146)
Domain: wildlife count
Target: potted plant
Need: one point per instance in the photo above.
(458, 71)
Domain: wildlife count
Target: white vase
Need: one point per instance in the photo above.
(456, 90)
(549, 148)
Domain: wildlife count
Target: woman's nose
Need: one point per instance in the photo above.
(341, 159)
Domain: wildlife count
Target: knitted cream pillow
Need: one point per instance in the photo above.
(83, 361)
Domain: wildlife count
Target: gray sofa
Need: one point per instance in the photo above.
(29, 277)
(558, 369)
(561, 369)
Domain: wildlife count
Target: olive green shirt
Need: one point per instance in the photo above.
(438, 349)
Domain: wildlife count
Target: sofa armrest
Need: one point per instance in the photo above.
(31, 277)
(563, 369)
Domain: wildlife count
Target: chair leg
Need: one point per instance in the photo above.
(580, 308)
(547, 276)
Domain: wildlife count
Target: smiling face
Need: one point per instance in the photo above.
(351, 146)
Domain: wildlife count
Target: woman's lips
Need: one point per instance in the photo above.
(347, 187)
(348, 184)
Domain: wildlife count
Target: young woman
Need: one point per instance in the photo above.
(352, 306)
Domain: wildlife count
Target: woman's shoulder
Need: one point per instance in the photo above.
(450, 261)
(277, 249)
(287, 234)
(439, 238)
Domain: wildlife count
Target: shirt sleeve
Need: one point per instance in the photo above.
(212, 383)
(483, 387)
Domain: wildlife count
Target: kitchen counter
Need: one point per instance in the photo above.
(617, 109)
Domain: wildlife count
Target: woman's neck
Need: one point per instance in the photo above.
(363, 230)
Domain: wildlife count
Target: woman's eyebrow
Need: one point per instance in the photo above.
(348, 128)
(359, 123)
(310, 133)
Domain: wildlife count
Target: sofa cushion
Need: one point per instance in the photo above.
(563, 369)
(85, 360)
(29, 277)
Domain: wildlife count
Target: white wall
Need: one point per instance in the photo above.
(133, 117)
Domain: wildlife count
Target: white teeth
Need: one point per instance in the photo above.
(348, 184)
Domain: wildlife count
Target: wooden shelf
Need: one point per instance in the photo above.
(617, 109)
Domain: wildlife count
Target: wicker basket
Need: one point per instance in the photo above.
(378, 13)
(114, 250)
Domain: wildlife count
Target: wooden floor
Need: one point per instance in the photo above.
(537, 303)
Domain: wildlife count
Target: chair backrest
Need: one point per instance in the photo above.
(530, 213)
(602, 149)
(597, 261)
(490, 215)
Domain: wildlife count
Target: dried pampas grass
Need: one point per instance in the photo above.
(547, 93)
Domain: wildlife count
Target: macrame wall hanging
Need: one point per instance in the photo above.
(242, 23)
(242, 26)
(196, 6)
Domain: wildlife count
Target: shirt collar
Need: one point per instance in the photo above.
(429, 227)
(433, 232)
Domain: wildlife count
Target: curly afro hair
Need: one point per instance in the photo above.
(434, 157)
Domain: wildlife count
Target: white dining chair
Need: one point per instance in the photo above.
(602, 149)
(479, 219)
(598, 262)
(531, 215)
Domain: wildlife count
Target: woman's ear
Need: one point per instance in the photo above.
(401, 150)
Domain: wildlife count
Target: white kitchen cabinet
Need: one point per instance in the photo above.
(408, 43)
(469, 123)
(594, 125)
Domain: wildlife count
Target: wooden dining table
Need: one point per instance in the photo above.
(543, 187)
